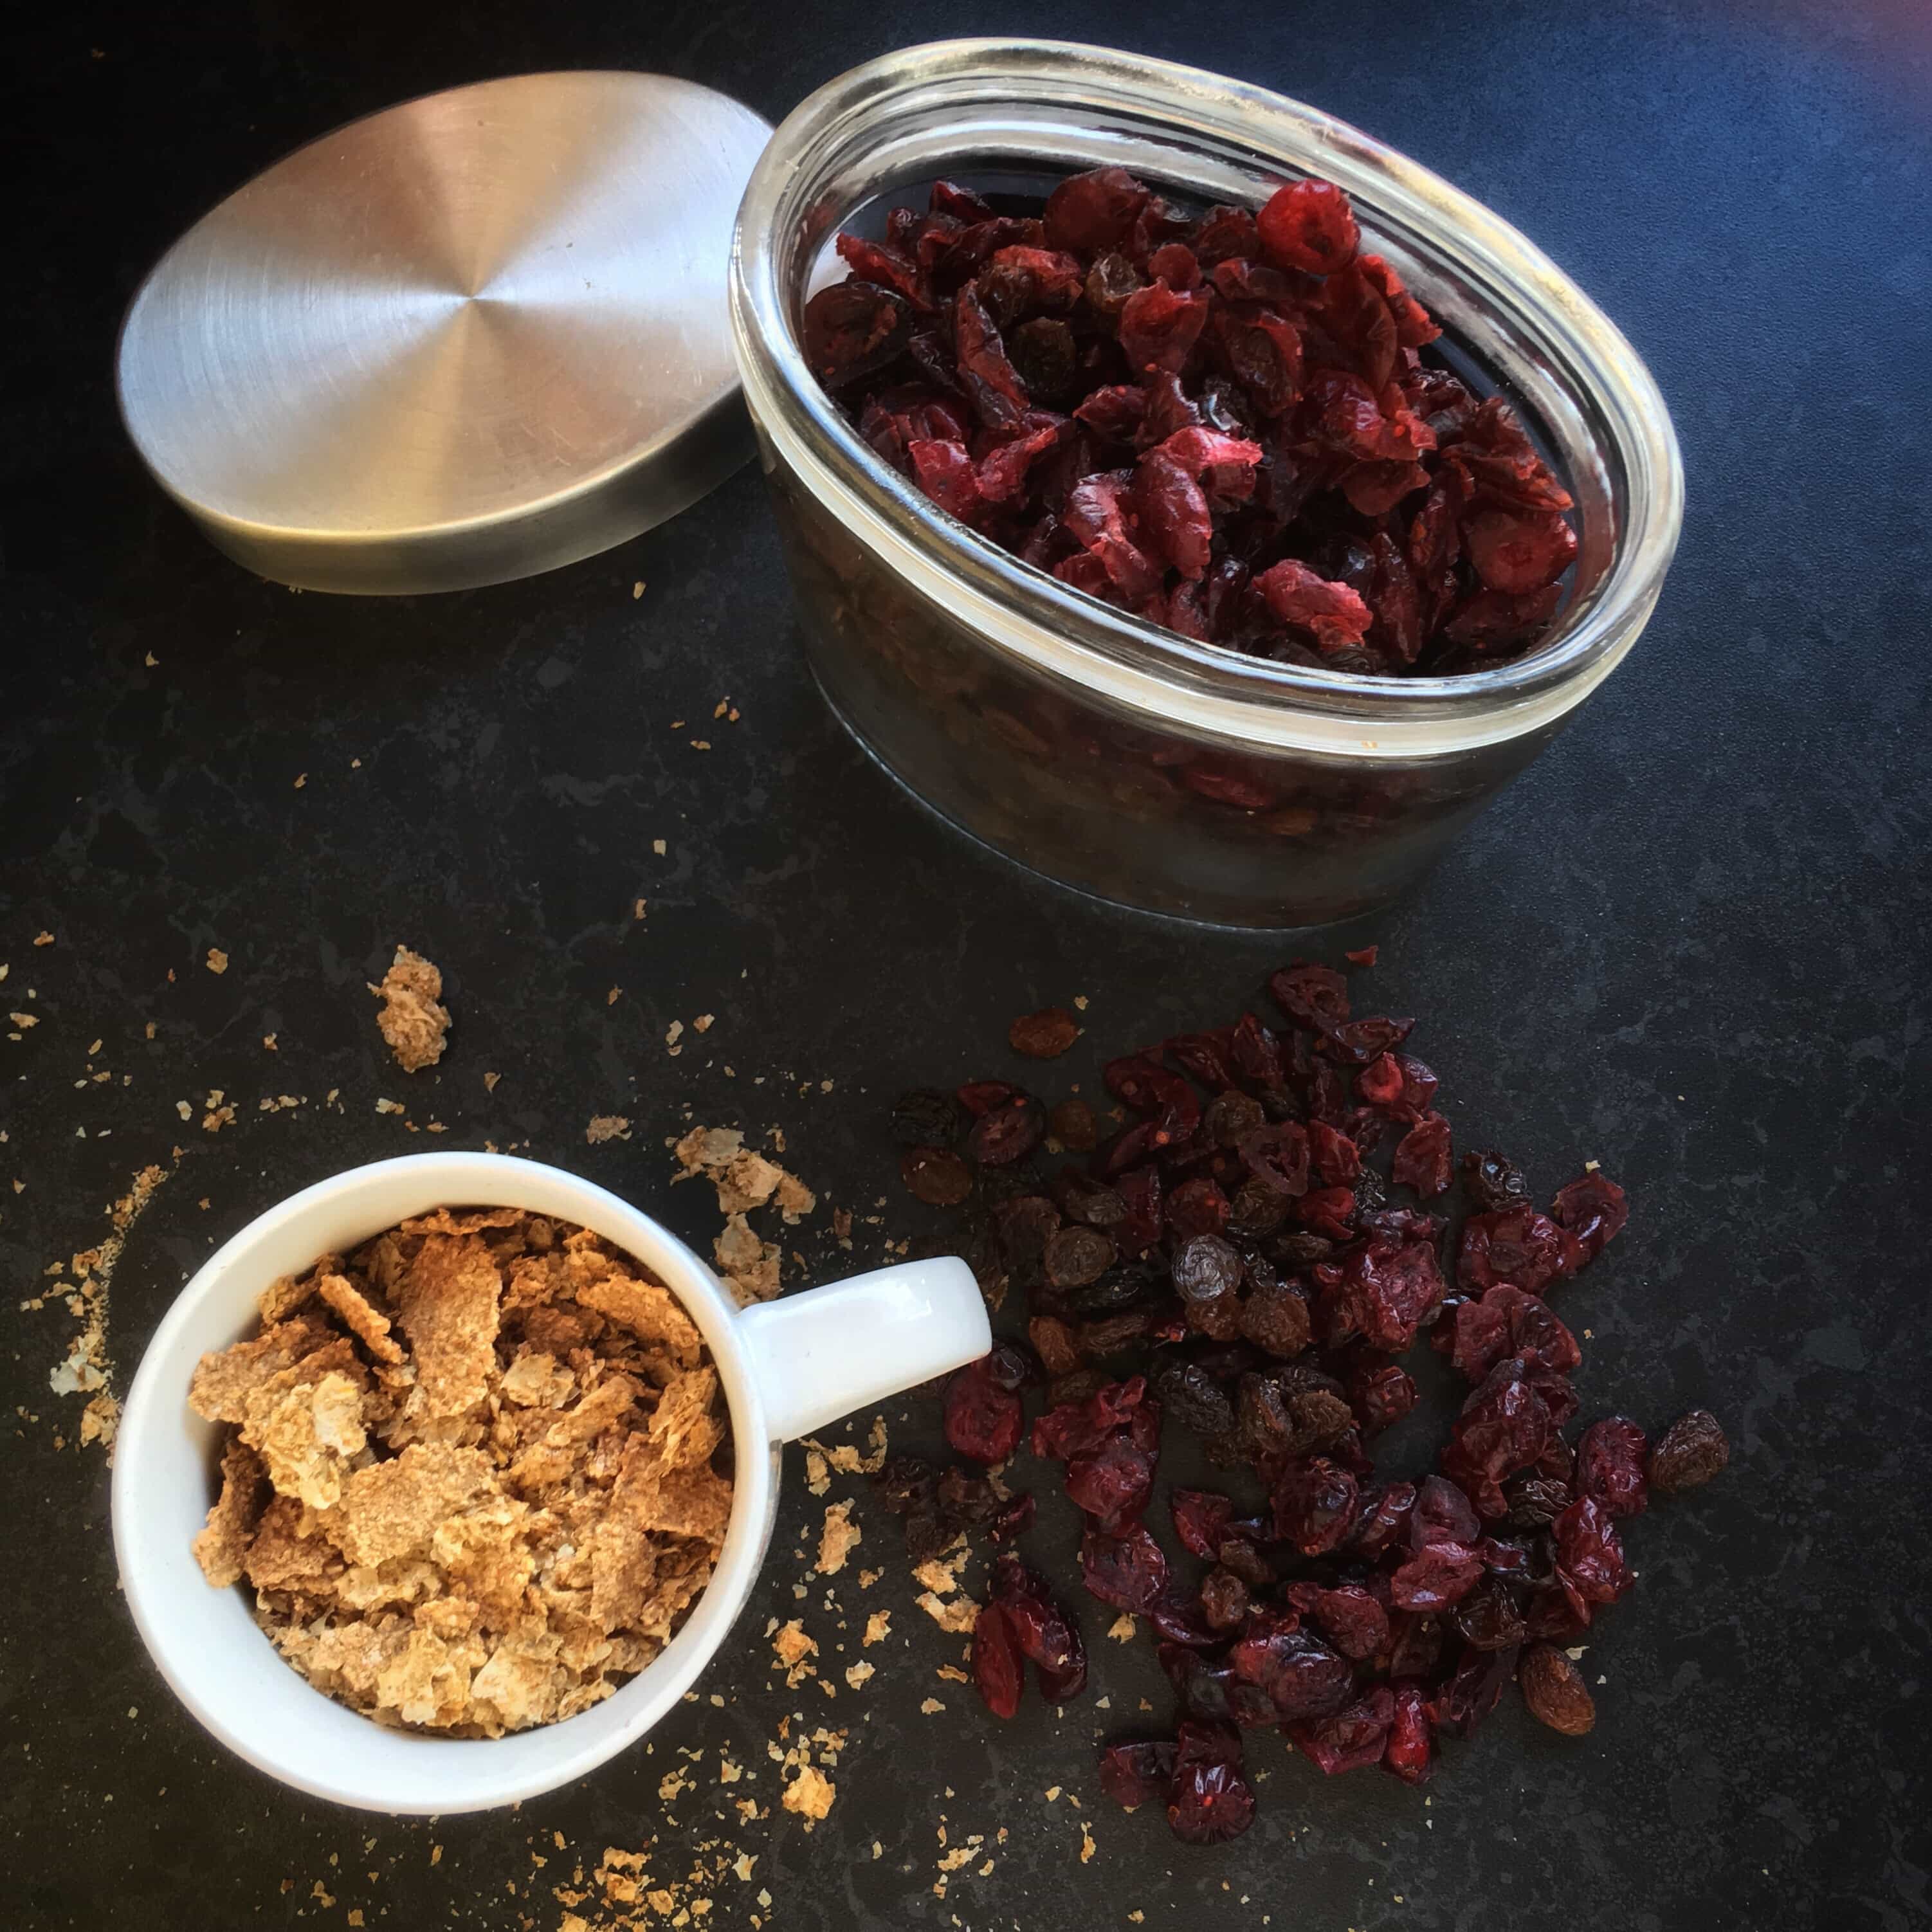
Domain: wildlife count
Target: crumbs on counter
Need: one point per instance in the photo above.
(218, 960)
(603, 1127)
(412, 1021)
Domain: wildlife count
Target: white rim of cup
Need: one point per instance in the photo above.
(774, 1357)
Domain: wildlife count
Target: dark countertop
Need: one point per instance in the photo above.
(1691, 942)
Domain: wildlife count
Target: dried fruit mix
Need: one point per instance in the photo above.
(1234, 1260)
(1222, 421)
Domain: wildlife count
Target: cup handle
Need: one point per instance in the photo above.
(819, 1355)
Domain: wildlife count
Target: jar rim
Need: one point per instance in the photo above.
(1213, 690)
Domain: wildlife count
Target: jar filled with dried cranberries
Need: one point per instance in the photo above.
(1184, 493)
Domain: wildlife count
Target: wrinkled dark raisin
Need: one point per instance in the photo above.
(1488, 1618)
(1075, 1256)
(1075, 1126)
(1689, 1452)
(1224, 1598)
(1053, 1342)
(1044, 1035)
(937, 1177)
(925, 1118)
(1554, 1689)
(1229, 1117)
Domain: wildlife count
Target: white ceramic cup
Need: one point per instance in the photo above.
(787, 1367)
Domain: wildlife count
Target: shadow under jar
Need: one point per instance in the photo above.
(1110, 754)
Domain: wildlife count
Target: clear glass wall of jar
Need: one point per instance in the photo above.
(1109, 753)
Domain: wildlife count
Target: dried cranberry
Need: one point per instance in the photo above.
(1516, 1245)
(1112, 1483)
(1611, 1459)
(1357, 1623)
(1209, 1804)
(1195, 1208)
(1507, 1322)
(1689, 1452)
(1308, 225)
(1314, 1501)
(1136, 1774)
(1382, 1520)
(1013, 1518)
(1505, 1427)
(936, 1176)
(1487, 1617)
(980, 1097)
(1437, 1575)
(1590, 1553)
(1410, 1752)
(1129, 1571)
(1422, 1158)
(1594, 1210)
(1008, 1133)
(1389, 1289)
(983, 1420)
(1353, 1738)
(1094, 210)
(1200, 1519)
(999, 1666)
(1381, 1397)
(1473, 1692)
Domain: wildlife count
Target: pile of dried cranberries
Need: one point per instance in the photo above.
(1221, 422)
(1236, 1242)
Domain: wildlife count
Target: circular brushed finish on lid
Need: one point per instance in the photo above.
(471, 337)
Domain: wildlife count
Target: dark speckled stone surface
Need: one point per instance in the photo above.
(1691, 942)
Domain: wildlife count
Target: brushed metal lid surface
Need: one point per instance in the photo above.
(469, 338)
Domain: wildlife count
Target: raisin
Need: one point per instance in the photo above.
(925, 1118)
(1224, 1599)
(1044, 1035)
(1689, 1452)
(1075, 1256)
(1488, 1618)
(937, 1177)
(1053, 1342)
(1073, 1124)
(1274, 1318)
(1554, 1689)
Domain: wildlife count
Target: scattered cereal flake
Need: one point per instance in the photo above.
(794, 1651)
(43, 939)
(490, 1082)
(958, 1617)
(658, 847)
(218, 960)
(615, 994)
(749, 1264)
(857, 1674)
(931, 1708)
(390, 1107)
(636, 589)
(951, 1673)
(216, 1118)
(1123, 1628)
(878, 1627)
(607, 1127)
(836, 1541)
(703, 1024)
(268, 1041)
(412, 1022)
(817, 1479)
(1087, 1847)
(673, 1033)
(24, 1021)
(810, 1794)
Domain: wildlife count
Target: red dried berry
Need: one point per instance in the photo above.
(1410, 1754)
(1309, 226)
(1594, 1211)
(1437, 1577)
(1092, 211)
(1518, 1246)
(1353, 1738)
(999, 1666)
(1129, 1571)
(1008, 1133)
(1136, 1774)
(1422, 1157)
(982, 1419)
(1314, 1500)
(1589, 1552)
(1612, 1457)
(1209, 1804)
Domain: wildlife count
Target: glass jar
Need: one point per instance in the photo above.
(1108, 753)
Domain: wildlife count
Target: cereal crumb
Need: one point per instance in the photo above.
(810, 1794)
(412, 1021)
(857, 1674)
(636, 589)
(43, 939)
(931, 1708)
(218, 960)
(269, 1041)
(490, 1082)
(658, 846)
(607, 1127)
(702, 1024)
(836, 1541)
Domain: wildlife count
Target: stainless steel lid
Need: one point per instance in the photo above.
(472, 338)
